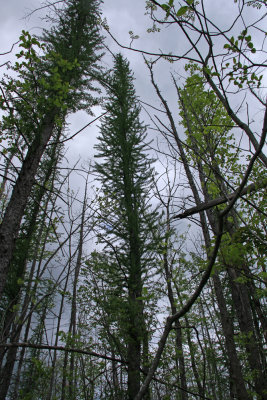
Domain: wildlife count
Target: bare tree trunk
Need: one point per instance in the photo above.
(134, 345)
(7, 170)
(210, 365)
(228, 330)
(21, 361)
(193, 361)
(115, 379)
(73, 319)
(178, 330)
(54, 360)
(235, 368)
(245, 319)
(147, 395)
(21, 191)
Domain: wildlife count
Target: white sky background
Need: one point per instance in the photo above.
(122, 16)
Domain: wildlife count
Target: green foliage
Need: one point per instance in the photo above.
(53, 74)
(35, 91)
(210, 140)
(184, 12)
(120, 288)
(240, 72)
(125, 171)
(256, 3)
(36, 379)
(77, 63)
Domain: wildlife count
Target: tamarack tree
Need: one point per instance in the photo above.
(129, 223)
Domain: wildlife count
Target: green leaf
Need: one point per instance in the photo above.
(182, 11)
(20, 281)
(165, 7)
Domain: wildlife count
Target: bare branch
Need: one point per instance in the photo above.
(220, 200)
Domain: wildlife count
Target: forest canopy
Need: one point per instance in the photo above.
(137, 270)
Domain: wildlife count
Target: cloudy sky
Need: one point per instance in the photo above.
(122, 16)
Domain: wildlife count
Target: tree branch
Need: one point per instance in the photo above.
(91, 353)
(220, 200)
(61, 348)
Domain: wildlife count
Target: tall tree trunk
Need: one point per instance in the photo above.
(7, 371)
(193, 361)
(178, 330)
(240, 294)
(134, 336)
(228, 330)
(73, 318)
(54, 360)
(245, 319)
(236, 378)
(10, 225)
(8, 164)
(145, 355)
(21, 361)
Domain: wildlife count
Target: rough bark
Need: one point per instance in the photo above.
(245, 319)
(21, 191)
(193, 361)
(235, 372)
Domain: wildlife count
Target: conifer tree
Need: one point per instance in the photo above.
(127, 218)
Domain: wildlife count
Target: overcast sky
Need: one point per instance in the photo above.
(122, 16)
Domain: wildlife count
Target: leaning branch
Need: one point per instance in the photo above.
(90, 353)
(79, 131)
(220, 200)
(61, 348)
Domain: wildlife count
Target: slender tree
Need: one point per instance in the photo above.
(128, 222)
